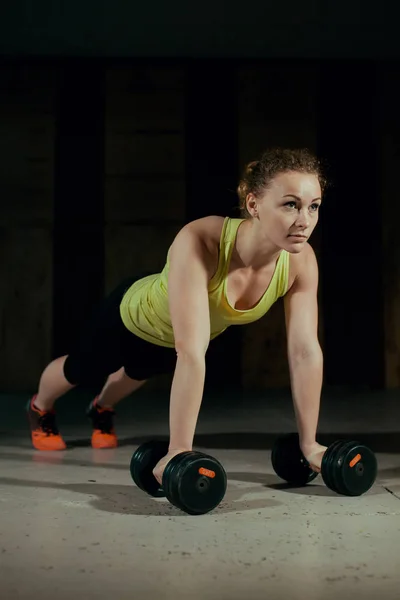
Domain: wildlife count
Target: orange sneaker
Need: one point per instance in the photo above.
(103, 435)
(44, 432)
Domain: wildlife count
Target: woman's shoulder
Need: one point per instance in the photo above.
(305, 258)
(208, 229)
(211, 224)
(201, 238)
(302, 264)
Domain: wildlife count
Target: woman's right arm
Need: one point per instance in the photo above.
(191, 264)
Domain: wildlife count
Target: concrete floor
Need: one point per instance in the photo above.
(74, 524)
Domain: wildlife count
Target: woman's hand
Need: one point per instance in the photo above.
(313, 453)
(160, 466)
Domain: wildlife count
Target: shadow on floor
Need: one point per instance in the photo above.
(130, 500)
(386, 442)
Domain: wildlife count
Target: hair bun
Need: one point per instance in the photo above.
(245, 184)
(251, 167)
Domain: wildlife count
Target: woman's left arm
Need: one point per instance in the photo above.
(304, 351)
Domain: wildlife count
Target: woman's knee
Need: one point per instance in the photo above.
(81, 372)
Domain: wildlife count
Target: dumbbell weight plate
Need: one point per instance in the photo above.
(350, 469)
(289, 463)
(194, 482)
(337, 460)
(328, 460)
(170, 475)
(143, 461)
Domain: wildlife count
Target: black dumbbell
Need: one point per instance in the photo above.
(348, 467)
(192, 481)
(143, 461)
(289, 463)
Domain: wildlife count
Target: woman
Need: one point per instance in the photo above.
(219, 272)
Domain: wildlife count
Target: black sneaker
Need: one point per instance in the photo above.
(44, 431)
(103, 435)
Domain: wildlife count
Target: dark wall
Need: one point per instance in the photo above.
(101, 164)
(78, 206)
(352, 257)
(27, 142)
(121, 28)
(389, 161)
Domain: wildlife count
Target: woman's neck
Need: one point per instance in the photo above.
(252, 249)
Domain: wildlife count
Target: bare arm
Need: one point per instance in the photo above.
(304, 351)
(190, 264)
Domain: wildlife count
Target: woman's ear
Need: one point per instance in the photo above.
(251, 204)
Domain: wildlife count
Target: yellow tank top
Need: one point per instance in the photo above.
(144, 307)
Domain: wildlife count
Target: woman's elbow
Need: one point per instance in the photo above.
(190, 352)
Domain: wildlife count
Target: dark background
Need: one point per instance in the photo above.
(121, 122)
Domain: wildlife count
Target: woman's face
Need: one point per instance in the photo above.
(287, 211)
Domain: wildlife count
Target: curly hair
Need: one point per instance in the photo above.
(258, 174)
